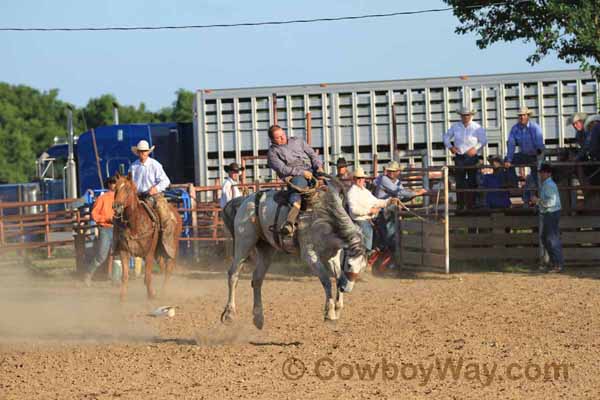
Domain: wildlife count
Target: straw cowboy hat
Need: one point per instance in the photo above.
(142, 146)
(578, 116)
(233, 167)
(359, 173)
(464, 110)
(393, 166)
(524, 111)
(341, 162)
(591, 119)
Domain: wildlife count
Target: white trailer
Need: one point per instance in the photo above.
(354, 120)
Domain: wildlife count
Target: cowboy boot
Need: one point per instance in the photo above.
(288, 227)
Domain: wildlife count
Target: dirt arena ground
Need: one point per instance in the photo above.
(471, 335)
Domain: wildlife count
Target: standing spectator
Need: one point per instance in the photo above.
(230, 190)
(527, 135)
(464, 139)
(549, 206)
(103, 214)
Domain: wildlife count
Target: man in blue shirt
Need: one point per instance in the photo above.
(527, 135)
(549, 206)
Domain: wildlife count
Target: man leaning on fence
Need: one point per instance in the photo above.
(102, 214)
(465, 139)
(549, 206)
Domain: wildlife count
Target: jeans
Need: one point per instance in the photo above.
(551, 237)
(367, 231)
(465, 179)
(301, 182)
(532, 179)
(105, 239)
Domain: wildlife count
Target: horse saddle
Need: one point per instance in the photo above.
(150, 209)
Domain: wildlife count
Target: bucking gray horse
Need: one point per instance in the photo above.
(328, 241)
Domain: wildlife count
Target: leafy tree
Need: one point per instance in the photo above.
(182, 107)
(571, 28)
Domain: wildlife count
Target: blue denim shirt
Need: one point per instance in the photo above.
(387, 188)
(549, 197)
(529, 139)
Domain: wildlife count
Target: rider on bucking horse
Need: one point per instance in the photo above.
(151, 181)
(292, 157)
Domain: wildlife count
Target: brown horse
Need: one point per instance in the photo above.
(136, 234)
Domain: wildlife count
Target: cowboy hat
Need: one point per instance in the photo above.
(591, 119)
(545, 167)
(393, 166)
(359, 173)
(578, 116)
(464, 110)
(235, 167)
(524, 111)
(341, 162)
(142, 146)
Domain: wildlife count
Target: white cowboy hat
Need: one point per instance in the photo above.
(142, 146)
(393, 166)
(524, 110)
(359, 173)
(464, 110)
(589, 120)
(578, 116)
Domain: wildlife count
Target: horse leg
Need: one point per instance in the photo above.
(242, 247)
(125, 274)
(149, 260)
(165, 267)
(263, 261)
(310, 256)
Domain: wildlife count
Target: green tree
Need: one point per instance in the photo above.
(182, 106)
(571, 28)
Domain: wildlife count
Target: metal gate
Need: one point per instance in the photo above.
(356, 120)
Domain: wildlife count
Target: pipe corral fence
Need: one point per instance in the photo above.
(431, 234)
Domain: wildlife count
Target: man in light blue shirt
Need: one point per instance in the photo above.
(549, 206)
(151, 181)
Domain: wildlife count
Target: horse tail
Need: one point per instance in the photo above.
(229, 212)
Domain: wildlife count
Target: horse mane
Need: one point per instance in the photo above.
(333, 228)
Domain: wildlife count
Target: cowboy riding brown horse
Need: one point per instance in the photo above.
(137, 234)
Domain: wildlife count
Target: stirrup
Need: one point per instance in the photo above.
(287, 228)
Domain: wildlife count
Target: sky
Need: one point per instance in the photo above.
(149, 66)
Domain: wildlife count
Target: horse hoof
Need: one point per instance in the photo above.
(259, 321)
(227, 316)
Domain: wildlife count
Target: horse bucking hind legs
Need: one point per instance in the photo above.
(137, 234)
(328, 241)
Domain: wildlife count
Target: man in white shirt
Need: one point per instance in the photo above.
(151, 181)
(230, 190)
(364, 206)
(464, 139)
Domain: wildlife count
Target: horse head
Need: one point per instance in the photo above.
(125, 194)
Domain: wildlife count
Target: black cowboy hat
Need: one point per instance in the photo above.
(235, 167)
(545, 168)
(341, 162)
(494, 158)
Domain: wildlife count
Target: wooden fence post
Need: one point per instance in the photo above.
(47, 229)
(2, 226)
(446, 221)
